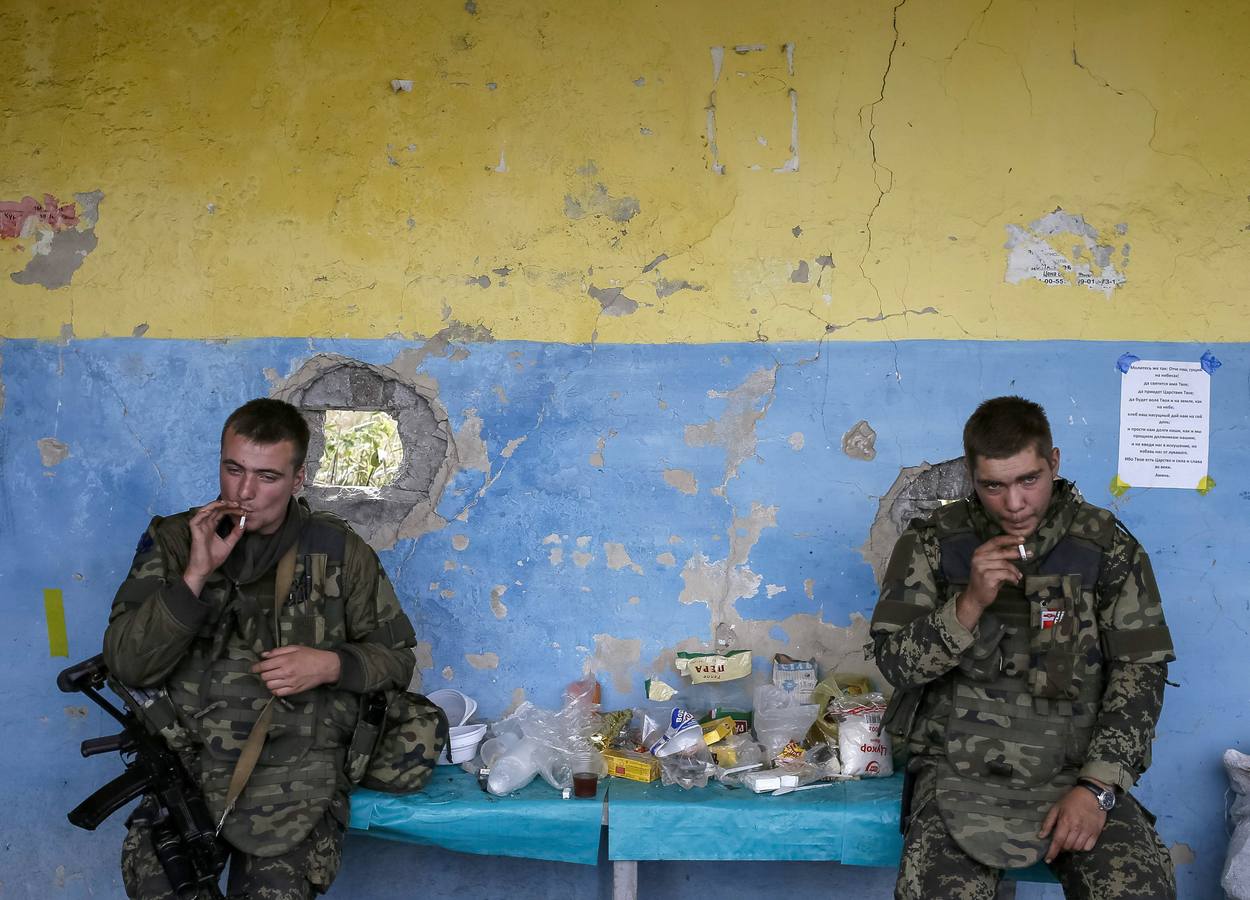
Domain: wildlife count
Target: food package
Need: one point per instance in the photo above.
(864, 747)
(795, 676)
(702, 668)
(766, 780)
(677, 733)
(833, 687)
(635, 766)
(717, 730)
(741, 718)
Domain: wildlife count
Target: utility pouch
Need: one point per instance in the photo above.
(1053, 645)
(414, 733)
(365, 738)
(984, 659)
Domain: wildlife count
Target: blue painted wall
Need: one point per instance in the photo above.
(141, 421)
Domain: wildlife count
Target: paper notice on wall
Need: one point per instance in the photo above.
(1165, 424)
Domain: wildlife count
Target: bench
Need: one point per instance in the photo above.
(854, 823)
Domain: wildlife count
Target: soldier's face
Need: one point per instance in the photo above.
(1016, 490)
(261, 478)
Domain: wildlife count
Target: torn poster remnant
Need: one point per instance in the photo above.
(1037, 251)
(61, 236)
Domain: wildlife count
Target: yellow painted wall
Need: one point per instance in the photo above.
(261, 177)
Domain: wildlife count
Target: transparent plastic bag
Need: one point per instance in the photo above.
(862, 745)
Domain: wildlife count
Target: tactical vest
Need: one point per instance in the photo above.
(216, 699)
(1021, 707)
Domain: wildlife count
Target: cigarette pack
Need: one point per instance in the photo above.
(634, 766)
(718, 729)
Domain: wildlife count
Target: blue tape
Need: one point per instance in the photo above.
(1126, 361)
(1210, 363)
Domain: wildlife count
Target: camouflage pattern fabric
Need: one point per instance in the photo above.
(413, 735)
(302, 872)
(200, 652)
(1129, 862)
(1062, 677)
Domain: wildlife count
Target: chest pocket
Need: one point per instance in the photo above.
(1063, 636)
(313, 614)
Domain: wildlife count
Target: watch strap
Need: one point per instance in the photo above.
(1105, 796)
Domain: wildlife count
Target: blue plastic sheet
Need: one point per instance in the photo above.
(454, 813)
(854, 822)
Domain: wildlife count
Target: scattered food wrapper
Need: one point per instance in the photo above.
(702, 668)
(795, 676)
(658, 691)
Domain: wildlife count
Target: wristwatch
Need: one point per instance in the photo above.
(1106, 796)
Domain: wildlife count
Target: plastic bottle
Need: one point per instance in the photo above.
(514, 769)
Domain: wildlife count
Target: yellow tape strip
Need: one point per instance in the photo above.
(1118, 487)
(1205, 483)
(54, 611)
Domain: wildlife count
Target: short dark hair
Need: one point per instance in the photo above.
(1004, 426)
(268, 421)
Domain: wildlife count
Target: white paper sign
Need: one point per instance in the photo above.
(1165, 424)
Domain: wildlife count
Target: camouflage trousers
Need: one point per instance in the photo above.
(1129, 862)
(304, 871)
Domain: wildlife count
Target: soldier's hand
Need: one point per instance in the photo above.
(209, 549)
(993, 565)
(294, 669)
(1076, 821)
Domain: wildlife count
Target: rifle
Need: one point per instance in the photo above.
(183, 835)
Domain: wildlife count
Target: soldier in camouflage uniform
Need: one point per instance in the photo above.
(194, 624)
(1023, 633)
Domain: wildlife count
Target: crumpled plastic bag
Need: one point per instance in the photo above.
(1236, 877)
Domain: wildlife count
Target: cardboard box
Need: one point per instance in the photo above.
(634, 766)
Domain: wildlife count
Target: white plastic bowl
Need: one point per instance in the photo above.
(462, 744)
(458, 707)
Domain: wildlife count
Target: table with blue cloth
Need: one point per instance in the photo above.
(453, 812)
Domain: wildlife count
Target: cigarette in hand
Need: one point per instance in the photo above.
(1023, 553)
(243, 524)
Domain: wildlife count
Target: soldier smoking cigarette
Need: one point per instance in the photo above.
(243, 524)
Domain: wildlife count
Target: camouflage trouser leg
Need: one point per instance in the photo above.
(934, 867)
(301, 873)
(1128, 863)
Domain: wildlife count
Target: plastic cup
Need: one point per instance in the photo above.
(585, 775)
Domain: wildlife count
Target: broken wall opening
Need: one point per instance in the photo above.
(362, 449)
(328, 384)
(916, 492)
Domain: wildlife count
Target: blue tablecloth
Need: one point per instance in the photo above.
(454, 813)
(854, 822)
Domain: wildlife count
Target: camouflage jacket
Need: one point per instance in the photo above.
(197, 653)
(923, 650)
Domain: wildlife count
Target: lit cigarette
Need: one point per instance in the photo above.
(243, 524)
(1024, 554)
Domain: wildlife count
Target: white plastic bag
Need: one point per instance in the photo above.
(1236, 877)
(865, 749)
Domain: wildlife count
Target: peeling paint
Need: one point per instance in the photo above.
(1182, 854)
(59, 251)
(51, 451)
(487, 660)
(665, 287)
(556, 556)
(482, 281)
(735, 429)
(496, 601)
(583, 541)
(410, 359)
(76, 712)
(511, 446)
(600, 203)
(460, 541)
(635, 600)
(448, 673)
(470, 448)
(552, 538)
(860, 442)
(596, 458)
(612, 301)
(618, 557)
(1035, 254)
(518, 697)
(139, 330)
(666, 559)
(796, 440)
(655, 262)
(772, 590)
(615, 657)
(809, 588)
(581, 558)
(800, 274)
(681, 480)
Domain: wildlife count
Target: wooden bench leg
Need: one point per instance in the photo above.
(1006, 890)
(625, 879)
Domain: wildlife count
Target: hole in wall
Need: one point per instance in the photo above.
(916, 492)
(329, 390)
(362, 449)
